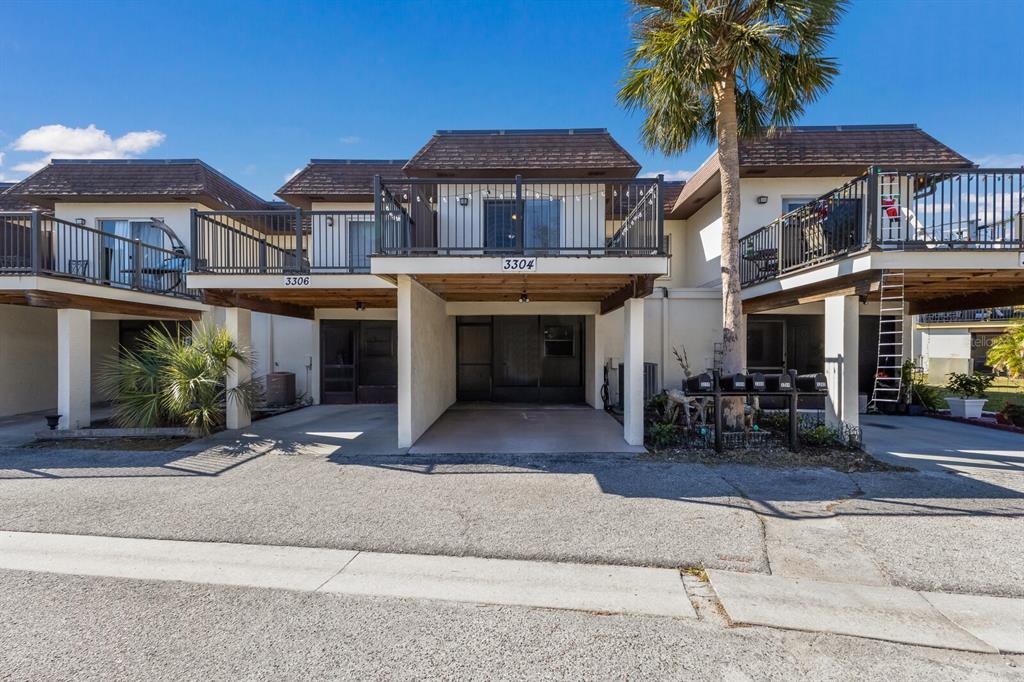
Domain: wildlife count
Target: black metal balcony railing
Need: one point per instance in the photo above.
(35, 243)
(891, 210)
(1001, 314)
(283, 241)
(474, 217)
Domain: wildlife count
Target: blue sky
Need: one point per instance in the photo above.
(258, 88)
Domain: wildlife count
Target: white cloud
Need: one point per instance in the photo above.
(291, 175)
(60, 141)
(671, 174)
(350, 139)
(1, 158)
(1000, 160)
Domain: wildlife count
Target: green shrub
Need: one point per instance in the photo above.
(773, 421)
(819, 436)
(968, 385)
(661, 435)
(928, 397)
(1014, 414)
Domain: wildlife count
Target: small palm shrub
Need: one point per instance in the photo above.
(175, 380)
(1007, 352)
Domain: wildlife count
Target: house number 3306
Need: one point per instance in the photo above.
(296, 281)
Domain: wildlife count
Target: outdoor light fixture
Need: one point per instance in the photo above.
(524, 297)
(360, 305)
(463, 201)
(762, 199)
(80, 221)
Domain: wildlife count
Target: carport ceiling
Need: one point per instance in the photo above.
(607, 289)
(301, 302)
(925, 291)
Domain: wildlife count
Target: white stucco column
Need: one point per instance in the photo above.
(74, 376)
(633, 372)
(596, 357)
(238, 323)
(842, 319)
(426, 359)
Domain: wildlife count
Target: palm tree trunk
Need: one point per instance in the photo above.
(734, 333)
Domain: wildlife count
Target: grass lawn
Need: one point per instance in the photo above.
(1001, 392)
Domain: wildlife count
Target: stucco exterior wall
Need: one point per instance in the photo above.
(704, 228)
(944, 351)
(28, 358)
(689, 319)
(426, 360)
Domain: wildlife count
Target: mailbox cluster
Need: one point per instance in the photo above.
(790, 385)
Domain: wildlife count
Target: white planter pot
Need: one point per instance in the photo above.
(966, 407)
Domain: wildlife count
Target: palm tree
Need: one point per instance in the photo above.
(174, 380)
(1007, 352)
(716, 71)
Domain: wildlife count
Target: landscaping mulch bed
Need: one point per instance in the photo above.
(987, 423)
(119, 443)
(846, 460)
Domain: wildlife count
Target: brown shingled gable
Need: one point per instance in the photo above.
(810, 151)
(337, 180)
(150, 180)
(557, 153)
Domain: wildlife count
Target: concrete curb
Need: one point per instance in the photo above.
(894, 614)
(579, 587)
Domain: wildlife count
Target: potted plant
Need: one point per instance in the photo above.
(970, 391)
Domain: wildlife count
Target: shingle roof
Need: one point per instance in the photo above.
(670, 190)
(806, 151)
(9, 202)
(338, 180)
(868, 145)
(135, 179)
(579, 151)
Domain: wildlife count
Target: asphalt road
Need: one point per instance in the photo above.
(69, 627)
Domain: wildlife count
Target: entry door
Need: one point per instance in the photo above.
(473, 358)
(339, 343)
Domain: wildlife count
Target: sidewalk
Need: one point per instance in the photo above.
(961, 622)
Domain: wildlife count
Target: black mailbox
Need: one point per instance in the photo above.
(755, 382)
(811, 382)
(734, 382)
(778, 382)
(700, 383)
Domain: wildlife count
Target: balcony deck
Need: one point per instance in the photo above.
(957, 236)
(49, 262)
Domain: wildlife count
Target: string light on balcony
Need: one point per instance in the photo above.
(524, 297)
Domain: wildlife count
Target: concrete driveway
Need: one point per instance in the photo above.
(328, 477)
(523, 429)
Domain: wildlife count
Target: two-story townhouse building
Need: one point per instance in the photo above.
(90, 253)
(485, 268)
(535, 266)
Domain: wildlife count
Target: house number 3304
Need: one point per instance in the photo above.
(519, 264)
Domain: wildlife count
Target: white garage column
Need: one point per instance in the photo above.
(595, 361)
(74, 357)
(633, 372)
(842, 319)
(238, 323)
(426, 360)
